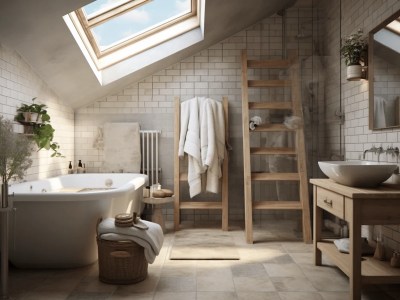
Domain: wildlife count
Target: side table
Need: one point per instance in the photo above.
(158, 203)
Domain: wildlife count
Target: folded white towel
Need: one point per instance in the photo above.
(343, 246)
(151, 239)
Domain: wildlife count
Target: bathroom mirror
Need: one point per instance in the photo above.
(384, 74)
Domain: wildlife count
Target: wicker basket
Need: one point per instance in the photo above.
(121, 262)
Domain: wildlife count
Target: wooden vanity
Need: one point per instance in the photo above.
(358, 206)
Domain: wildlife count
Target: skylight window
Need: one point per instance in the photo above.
(119, 37)
(110, 24)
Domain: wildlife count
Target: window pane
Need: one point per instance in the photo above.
(99, 6)
(139, 20)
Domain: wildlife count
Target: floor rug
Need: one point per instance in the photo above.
(203, 244)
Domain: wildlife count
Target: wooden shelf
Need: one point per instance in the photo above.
(271, 128)
(373, 271)
(277, 205)
(200, 205)
(260, 176)
(272, 151)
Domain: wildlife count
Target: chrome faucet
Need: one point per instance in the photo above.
(393, 151)
(373, 149)
(379, 151)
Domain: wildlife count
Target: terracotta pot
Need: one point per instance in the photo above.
(354, 72)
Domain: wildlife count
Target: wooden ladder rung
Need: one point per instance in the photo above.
(269, 83)
(277, 205)
(270, 105)
(260, 176)
(272, 127)
(199, 205)
(277, 64)
(272, 151)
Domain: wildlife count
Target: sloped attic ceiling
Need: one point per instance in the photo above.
(37, 31)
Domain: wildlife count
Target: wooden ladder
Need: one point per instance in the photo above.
(299, 150)
(180, 176)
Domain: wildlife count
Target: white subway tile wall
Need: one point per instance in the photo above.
(364, 14)
(19, 84)
(214, 72)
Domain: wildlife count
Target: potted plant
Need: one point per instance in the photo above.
(39, 127)
(354, 52)
(33, 113)
(15, 152)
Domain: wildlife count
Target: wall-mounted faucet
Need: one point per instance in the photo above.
(373, 149)
(394, 151)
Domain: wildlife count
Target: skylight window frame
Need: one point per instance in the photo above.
(106, 15)
(394, 26)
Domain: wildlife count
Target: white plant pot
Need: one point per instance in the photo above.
(32, 117)
(354, 72)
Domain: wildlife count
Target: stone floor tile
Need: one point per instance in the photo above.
(258, 296)
(216, 296)
(176, 284)
(284, 270)
(253, 284)
(292, 284)
(215, 282)
(175, 296)
(300, 296)
(248, 270)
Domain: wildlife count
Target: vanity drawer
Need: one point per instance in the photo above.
(331, 202)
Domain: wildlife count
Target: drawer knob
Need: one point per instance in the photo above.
(328, 202)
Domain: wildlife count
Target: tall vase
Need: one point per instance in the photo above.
(4, 241)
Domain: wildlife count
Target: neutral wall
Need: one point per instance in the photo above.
(364, 14)
(19, 84)
(214, 72)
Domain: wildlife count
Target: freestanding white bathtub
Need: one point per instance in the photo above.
(53, 224)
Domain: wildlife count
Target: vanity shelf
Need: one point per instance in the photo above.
(373, 271)
(357, 206)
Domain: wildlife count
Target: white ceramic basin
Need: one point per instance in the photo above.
(357, 173)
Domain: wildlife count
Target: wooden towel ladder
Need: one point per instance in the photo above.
(299, 150)
(180, 175)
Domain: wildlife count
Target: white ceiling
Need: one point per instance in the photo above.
(36, 30)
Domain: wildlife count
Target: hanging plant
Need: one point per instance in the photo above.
(354, 49)
(43, 132)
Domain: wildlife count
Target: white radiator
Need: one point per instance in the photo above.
(149, 147)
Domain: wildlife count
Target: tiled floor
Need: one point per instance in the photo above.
(275, 270)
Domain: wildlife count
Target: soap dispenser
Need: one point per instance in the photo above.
(79, 170)
(70, 170)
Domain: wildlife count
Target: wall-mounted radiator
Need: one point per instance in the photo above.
(149, 147)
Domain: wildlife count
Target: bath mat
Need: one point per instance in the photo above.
(203, 244)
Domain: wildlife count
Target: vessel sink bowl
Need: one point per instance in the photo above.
(357, 173)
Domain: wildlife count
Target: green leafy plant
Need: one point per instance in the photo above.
(43, 132)
(354, 48)
(15, 152)
(39, 109)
